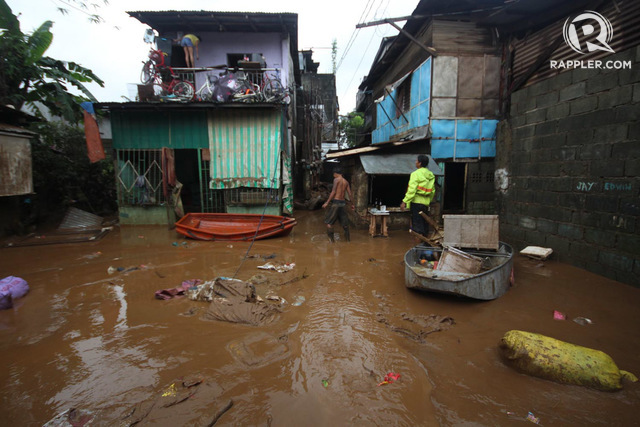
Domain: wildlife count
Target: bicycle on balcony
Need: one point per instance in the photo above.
(156, 72)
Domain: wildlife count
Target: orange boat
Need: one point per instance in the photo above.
(223, 226)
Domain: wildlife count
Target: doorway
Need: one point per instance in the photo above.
(187, 172)
(454, 183)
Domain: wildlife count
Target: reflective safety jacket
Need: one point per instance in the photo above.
(421, 187)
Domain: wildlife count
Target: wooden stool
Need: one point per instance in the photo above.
(374, 220)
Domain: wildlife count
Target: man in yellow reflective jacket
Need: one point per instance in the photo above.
(419, 194)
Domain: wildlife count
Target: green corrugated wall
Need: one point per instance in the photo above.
(156, 129)
(245, 148)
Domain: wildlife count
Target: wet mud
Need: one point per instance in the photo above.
(91, 336)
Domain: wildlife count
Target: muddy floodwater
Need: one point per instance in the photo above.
(102, 344)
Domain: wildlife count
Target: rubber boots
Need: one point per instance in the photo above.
(347, 236)
(330, 234)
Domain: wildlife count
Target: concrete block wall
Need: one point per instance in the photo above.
(568, 169)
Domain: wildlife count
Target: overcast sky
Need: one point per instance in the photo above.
(115, 49)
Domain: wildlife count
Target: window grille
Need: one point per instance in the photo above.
(245, 196)
(476, 177)
(139, 177)
(212, 200)
(490, 177)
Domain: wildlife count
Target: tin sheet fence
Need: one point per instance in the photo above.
(245, 149)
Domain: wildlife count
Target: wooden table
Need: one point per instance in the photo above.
(376, 218)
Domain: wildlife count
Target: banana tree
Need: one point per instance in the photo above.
(29, 78)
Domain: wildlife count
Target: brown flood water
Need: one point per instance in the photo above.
(85, 339)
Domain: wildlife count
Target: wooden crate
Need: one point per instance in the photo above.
(456, 261)
(471, 231)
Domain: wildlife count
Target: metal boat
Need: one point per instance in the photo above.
(233, 227)
(491, 282)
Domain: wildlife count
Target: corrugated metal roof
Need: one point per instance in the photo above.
(395, 164)
(212, 21)
(5, 128)
(77, 219)
(624, 18)
(509, 17)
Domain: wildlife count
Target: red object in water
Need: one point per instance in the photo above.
(233, 227)
(557, 315)
(389, 378)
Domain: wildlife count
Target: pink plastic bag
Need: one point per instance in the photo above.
(557, 315)
(12, 288)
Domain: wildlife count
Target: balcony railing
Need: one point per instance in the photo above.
(256, 85)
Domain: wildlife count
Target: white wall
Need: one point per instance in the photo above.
(215, 47)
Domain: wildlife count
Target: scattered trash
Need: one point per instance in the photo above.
(185, 244)
(417, 327)
(280, 300)
(113, 269)
(533, 418)
(583, 321)
(433, 265)
(140, 237)
(71, 418)
(390, 378)
(530, 417)
(558, 315)
(304, 275)
(265, 257)
(259, 279)
(428, 256)
(201, 292)
(91, 256)
(191, 312)
(12, 288)
(560, 361)
(238, 303)
(280, 268)
(298, 301)
(170, 391)
(165, 294)
(536, 252)
(512, 415)
(183, 400)
(325, 382)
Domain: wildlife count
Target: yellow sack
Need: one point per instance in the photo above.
(560, 361)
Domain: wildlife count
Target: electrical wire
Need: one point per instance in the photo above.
(264, 210)
(354, 34)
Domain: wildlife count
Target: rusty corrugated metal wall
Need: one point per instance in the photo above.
(15, 165)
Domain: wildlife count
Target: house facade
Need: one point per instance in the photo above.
(214, 154)
(437, 82)
(561, 166)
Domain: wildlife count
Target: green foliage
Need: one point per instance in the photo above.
(350, 127)
(63, 175)
(27, 77)
(85, 7)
